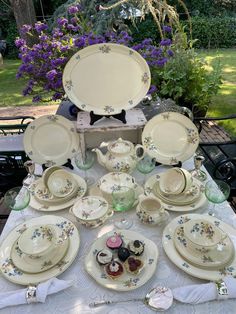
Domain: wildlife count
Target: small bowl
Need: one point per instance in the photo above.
(91, 211)
(150, 210)
(172, 181)
(202, 234)
(61, 183)
(39, 240)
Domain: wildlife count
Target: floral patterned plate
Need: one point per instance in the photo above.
(106, 78)
(149, 188)
(37, 205)
(126, 281)
(170, 137)
(15, 275)
(50, 140)
(179, 261)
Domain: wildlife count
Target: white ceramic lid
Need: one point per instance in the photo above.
(112, 181)
(120, 147)
(90, 208)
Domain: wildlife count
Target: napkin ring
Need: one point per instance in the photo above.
(222, 290)
(30, 294)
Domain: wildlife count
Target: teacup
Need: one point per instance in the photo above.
(47, 173)
(61, 183)
(91, 211)
(203, 234)
(150, 210)
(172, 181)
(188, 180)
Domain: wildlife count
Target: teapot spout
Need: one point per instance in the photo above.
(101, 158)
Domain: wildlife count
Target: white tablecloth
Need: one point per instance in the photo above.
(76, 299)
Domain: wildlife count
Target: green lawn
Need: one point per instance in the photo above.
(223, 103)
(11, 88)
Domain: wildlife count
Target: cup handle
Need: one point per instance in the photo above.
(110, 213)
(139, 146)
(70, 210)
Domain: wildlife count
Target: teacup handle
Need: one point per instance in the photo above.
(71, 211)
(110, 213)
(139, 146)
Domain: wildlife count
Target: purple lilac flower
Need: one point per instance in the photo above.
(170, 53)
(74, 20)
(19, 42)
(166, 29)
(57, 96)
(80, 42)
(161, 62)
(39, 27)
(25, 28)
(152, 89)
(62, 21)
(73, 9)
(138, 47)
(37, 98)
(51, 74)
(166, 42)
(147, 41)
(156, 52)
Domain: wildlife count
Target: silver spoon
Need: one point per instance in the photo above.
(158, 299)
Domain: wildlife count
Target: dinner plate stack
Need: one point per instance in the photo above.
(56, 190)
(201, 245)
(189, 197)
(39, 249)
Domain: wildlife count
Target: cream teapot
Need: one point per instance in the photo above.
(122, 156)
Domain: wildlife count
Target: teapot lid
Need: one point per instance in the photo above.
(120, 146)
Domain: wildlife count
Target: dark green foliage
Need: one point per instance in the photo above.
(213, 32)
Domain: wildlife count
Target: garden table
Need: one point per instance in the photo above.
(86, 290)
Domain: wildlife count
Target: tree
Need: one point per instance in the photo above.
(24, 13)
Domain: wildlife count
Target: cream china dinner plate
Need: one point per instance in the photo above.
(50, 140)
(170, 137)
(179, 261)
(198, 203)
(15, 275)
(206, 258)
(119, 78)
(126, 281)
(35, 204)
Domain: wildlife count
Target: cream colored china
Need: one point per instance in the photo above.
(37, 240)
(106, 78)
(37, 264)
(15, 275)
(61, 183)
(202, 233)
(170, 137)
(37, 205)
(91, 211)
(44, 196)
(150, 210)
(198, 203)
(193, 270)
(112, 181)
(50, 140)
(95, 191)
(172, 181)
(188, 179)
(216, 257)
(47, 172)
(121, 156)
(126, 282)
(185, 198)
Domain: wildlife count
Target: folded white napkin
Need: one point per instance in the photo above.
(195, 294)
(44, 289)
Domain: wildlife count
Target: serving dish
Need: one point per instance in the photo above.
(126, 281)
(118, 76)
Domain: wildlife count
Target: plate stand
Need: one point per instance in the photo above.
(68, 164)
(178, 164)
(119, 116)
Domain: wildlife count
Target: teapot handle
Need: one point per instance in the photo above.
(138, 146)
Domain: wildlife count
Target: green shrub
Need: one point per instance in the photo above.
(213, 32)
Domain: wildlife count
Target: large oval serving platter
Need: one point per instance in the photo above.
(106, 78)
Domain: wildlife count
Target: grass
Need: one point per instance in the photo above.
(224, 102)
(11, 88)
